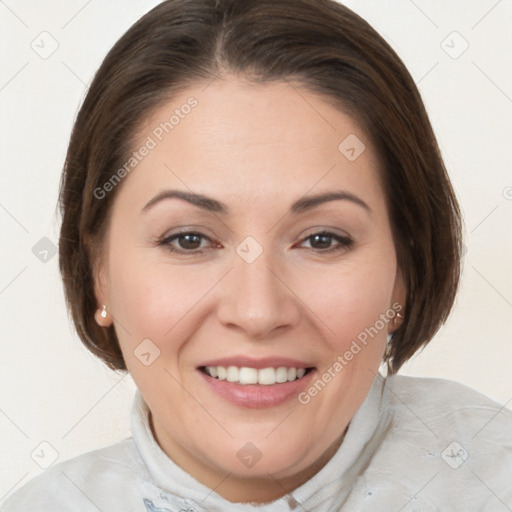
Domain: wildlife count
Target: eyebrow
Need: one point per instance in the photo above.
(213, 205)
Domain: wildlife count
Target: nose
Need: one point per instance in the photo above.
(256, 300)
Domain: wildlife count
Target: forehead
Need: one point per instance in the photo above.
(238, 138)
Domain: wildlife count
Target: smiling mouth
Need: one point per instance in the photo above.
(263, 376)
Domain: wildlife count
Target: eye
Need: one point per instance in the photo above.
(191, 242)
(185, 242)
(322, 241)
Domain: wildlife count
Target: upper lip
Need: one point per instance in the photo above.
(263, 362)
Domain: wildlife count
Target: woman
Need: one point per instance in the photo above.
(255, 217)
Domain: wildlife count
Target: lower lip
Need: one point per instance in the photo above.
(256, 396)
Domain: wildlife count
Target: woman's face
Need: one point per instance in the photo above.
(281, 258)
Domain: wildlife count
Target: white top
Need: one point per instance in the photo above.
(415, 444)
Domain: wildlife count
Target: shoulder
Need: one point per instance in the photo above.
(444, 446)
(84, 482)
(446, 409)
(453, 431)
(441, 400)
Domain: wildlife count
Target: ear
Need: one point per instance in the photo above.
(398, 299)
(100, 274)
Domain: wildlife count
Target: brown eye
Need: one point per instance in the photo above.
(189, 241)
(323, 241)
(185, 243)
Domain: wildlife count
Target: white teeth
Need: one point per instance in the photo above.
(266, 376)
(232, 374)
(282, 374)
(263, 376)
(248, 376)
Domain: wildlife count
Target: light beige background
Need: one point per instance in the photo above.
(52, 390)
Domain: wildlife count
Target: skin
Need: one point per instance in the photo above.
(257, 148)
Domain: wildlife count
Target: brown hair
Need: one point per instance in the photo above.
(320, 44)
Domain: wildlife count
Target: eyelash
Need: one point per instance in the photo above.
(344, 242)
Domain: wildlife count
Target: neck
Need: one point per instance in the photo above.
(242, 489)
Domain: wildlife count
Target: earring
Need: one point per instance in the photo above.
(398, 318)
(387, 352)
(102, 316)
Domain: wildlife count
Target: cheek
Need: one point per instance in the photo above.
(353, 295)
(150, 298)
